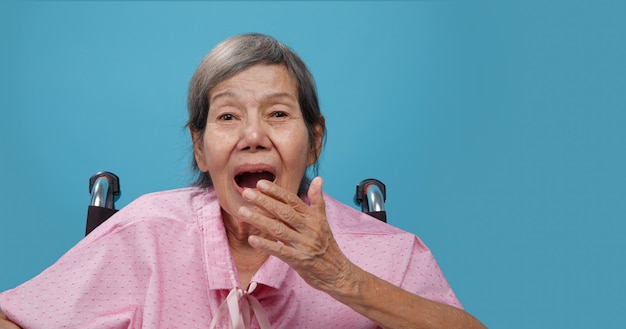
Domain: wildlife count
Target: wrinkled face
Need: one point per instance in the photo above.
(255, 130)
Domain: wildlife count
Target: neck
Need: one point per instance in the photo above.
(247, 259)
(238, 232)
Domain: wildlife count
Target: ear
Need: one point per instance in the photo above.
(198, 149)
(314, 154)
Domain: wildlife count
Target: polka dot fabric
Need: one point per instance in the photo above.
(164, 262)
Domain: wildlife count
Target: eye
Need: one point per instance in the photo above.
(227, 117)
(279, 114)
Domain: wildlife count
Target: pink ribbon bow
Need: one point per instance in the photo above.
(237, 305)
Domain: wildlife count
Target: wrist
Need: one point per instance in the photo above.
(350, 285)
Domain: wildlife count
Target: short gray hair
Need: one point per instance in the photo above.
(235, 55)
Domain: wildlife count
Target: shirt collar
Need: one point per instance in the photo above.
(220, 269)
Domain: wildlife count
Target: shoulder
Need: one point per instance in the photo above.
(165, 208)
(177, 200)
(379, 248)
(367, 236)
(390, 253)
(344, 219)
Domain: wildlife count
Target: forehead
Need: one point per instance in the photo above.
(259, 79)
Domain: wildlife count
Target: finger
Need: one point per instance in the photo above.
(282, 211)
(316, 195)
(273, 248)
(275, 191)
(277, 229)
(295, 257)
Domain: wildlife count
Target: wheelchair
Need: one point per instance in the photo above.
(104, 188)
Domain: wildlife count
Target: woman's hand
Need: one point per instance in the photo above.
(302, 236)
(5, 323)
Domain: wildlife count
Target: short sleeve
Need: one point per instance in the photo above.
(424, 277)
(94, 285)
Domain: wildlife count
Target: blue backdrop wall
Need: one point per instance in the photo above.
(498, 127)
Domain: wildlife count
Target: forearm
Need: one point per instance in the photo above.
(5, 323)
(394, 308)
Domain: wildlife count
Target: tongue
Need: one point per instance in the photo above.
(250, 179)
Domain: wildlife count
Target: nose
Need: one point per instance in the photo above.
(254, 135)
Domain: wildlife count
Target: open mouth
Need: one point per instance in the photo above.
(250, 178)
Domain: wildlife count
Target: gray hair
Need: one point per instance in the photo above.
(235, 55)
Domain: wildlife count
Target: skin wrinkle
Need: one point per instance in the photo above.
(311, 250)
(253, 134)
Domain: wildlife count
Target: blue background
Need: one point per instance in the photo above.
(498, 128)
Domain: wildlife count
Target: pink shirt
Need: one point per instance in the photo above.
(164, 262)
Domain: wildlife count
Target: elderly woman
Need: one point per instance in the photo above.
(255, 243)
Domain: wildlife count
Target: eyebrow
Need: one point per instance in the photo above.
(280, 95)
(267, 97)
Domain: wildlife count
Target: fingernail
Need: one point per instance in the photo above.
(244, 212)
(263, 185)
(249, 194)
